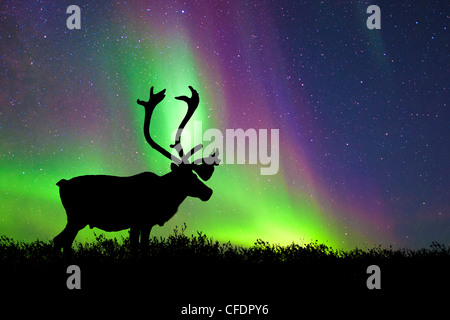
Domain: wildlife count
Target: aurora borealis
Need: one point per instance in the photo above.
(362, 114)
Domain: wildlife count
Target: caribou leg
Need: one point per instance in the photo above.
(145, 234)
(65, 239)
(134, 238)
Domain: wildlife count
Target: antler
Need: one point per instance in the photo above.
(149, 106)
(203, 167)
(192, 103)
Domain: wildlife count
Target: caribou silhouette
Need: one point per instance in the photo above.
(141, 201)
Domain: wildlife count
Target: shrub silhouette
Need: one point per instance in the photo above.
(197, 262)
(195, 269)
(199, 245)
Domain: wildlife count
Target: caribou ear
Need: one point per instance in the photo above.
(203, 170)
(206, 168)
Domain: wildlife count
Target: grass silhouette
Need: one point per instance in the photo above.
(182, 269)
(198, 247)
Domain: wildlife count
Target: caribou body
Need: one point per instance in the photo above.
(141, 201)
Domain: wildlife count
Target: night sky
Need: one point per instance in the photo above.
(362, 114)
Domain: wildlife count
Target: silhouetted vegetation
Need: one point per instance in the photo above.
(200, 248)
(196, 267)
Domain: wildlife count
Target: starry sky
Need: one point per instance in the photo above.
(362, 114)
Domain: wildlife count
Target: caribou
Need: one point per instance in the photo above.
(138, 202)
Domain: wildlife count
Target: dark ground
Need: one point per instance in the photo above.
(196, 271)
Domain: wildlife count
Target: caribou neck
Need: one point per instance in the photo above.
(175, 188)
